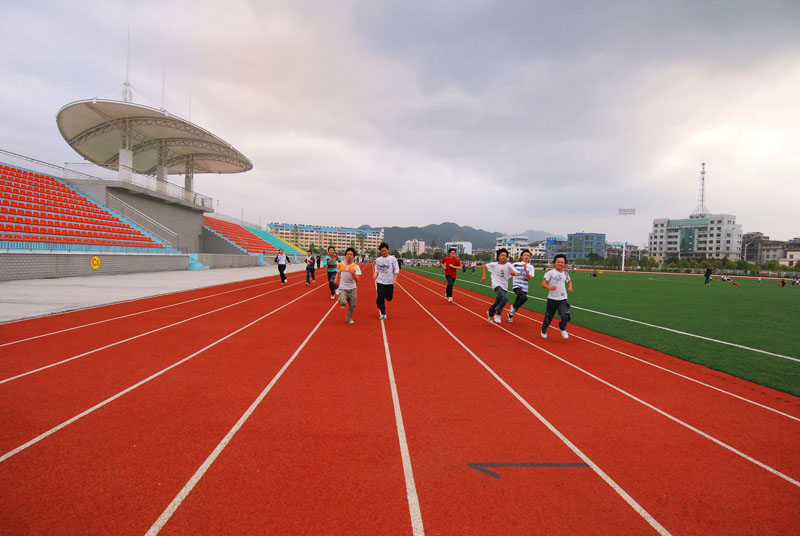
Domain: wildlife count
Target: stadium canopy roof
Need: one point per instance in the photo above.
(97, 129)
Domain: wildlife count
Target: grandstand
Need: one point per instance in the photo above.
(38, 210)
(117, 212)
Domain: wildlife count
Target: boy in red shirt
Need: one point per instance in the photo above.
(451, 264)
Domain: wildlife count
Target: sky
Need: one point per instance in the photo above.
(500, 115)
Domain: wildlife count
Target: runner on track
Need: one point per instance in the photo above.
(557, 282)
(386, 270)
(346, 278)
(451, 264)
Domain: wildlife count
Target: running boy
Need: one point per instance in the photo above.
(386, 270)
(330, 262)
(451, 264)
(310, 264)
(557, 282)
(501, 272)
(346, 278)
(526, 272)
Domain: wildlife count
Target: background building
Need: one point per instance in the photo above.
(514, 245)
(302, 236)
(554, 246)
(701, 235)
(713, 236)
(461, 247)
(415, 247)
(583, 244)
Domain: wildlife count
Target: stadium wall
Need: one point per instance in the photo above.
(228, 261)
(183, 220)
(214, 244)
(50, 264)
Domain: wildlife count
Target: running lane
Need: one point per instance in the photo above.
(687, 482)
(750, 427)
(458, 417)
(31, 353)
(35, 403)
(114, 470)
(320, 455)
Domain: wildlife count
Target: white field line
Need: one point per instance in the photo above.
(136, 336)
(654, 326)
(411, 488)
(640, 401)
(482, 299)
(607, 479)
(110, 399)
(204, 467)
(126, 316)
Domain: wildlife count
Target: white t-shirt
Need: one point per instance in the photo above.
(281, 258)
(501, 273)
(346, 279)
(519, 280)
(386, 268)
(560, 280)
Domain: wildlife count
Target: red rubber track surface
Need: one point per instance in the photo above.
(321, 454)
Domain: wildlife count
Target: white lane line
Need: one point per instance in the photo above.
(642, 402)
(181, 496)
(607, 479)
(481, 299)
(123, 316)
(657, 326)
(411, 488)
(57, 363)
(110, 399)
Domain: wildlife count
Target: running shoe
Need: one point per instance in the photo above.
(350, 321)
(544, 334)
(491, 318)
(564, 334)
(497, 319)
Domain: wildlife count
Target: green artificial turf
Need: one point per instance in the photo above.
(761, 316)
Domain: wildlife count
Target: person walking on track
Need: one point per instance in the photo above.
(281, 259)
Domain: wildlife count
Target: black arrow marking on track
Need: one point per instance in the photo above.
(482, 467)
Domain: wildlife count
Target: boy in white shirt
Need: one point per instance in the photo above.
(520, 287)
(557, 282)
(386, 270)
(501, 272)
(347, 276)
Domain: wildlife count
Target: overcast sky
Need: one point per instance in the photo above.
(504, 116)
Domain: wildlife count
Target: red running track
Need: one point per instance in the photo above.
(252, 408)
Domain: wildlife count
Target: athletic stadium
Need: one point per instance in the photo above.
(157, 377)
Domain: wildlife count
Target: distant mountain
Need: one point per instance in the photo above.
(535, 236)
(448, 232)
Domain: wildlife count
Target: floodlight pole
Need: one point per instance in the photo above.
(625, 212)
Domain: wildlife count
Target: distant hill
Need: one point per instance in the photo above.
(449, 232)
(535, 236)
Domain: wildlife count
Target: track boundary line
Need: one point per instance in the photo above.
(411, 488)
(644, 361)
(607, 479)
(110, 399)
(126, 316)
(656, 326)
(646, 404)
(156, 527)
(63, 361)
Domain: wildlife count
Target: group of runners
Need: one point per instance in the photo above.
(344, 274)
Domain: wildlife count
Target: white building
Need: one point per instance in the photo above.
(461, 247)
(713, 236)
(538, 249)
(416, 247)
(514, 245)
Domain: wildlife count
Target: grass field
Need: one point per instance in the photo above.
(758, 316)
